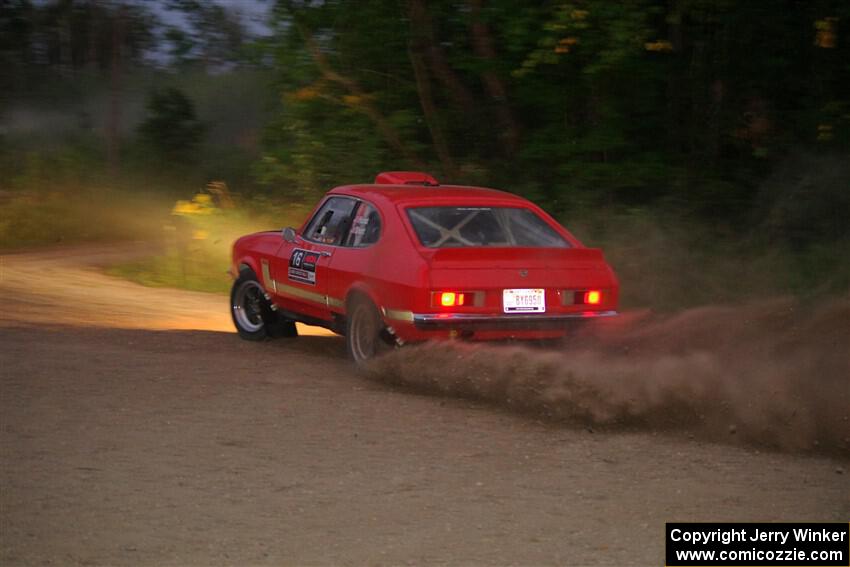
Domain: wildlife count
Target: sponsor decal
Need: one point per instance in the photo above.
(302, 266)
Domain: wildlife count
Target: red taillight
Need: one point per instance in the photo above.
(455, 299)
(451, 299)
(592, 297)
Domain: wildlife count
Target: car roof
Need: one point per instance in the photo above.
(423, 195)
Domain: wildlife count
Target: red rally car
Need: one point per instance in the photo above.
(406, 259)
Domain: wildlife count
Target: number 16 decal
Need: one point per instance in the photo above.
(302, 266)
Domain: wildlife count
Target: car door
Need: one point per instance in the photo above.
(299, 271)
(355, 259)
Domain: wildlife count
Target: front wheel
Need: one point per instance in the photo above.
(252, 313)
(365, 336)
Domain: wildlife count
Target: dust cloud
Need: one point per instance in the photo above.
(774, 374)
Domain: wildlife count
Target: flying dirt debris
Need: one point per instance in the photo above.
(773, 374)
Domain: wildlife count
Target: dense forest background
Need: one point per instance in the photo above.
(705, 144)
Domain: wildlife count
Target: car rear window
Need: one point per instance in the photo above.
(455, 227)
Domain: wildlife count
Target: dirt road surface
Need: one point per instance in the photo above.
(137, 429)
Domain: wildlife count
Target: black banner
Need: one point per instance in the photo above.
(739, 544)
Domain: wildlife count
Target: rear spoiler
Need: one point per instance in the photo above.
(405, 178)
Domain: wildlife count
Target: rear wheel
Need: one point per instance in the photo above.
(365, 335)
(252, 313)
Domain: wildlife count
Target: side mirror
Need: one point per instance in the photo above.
(288, 234)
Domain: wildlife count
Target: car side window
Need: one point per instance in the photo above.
(330, 224)
(365, 228)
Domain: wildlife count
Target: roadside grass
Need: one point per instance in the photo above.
(662, 263)
(197, 240)
(191, 242)
(63, 217)
(198, 268)
(668, 264)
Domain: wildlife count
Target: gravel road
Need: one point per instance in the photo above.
(137, 429)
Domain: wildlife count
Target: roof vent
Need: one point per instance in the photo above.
(405, 178)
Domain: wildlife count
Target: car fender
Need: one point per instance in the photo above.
(249, 250)
(363, 289)
(246, 261)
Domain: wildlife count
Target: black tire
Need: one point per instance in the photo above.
(365, 333)
(252, 313)
(281, 327)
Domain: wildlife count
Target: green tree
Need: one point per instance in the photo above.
(684, 104)
(171, 127)
(215, 36)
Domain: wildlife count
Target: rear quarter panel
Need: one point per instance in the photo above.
(389, 272)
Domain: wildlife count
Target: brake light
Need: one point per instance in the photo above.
(451, 299)
(455, 299)
(592, 297)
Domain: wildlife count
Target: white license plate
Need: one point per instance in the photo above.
(524, 300)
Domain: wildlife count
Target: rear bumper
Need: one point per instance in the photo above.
(433, 321)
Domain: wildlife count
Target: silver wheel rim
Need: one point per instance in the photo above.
(247, 306)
